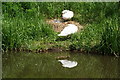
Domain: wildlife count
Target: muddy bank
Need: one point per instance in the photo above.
(59, 49)
(54, 49)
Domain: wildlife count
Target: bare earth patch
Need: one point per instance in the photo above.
(59, 25)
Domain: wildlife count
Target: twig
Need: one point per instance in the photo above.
(116, 55)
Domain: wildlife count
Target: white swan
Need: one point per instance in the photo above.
(67, 14)
(68, 64)
(70, 29)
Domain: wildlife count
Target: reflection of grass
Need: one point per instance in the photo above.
(24, 26)
(44, 65)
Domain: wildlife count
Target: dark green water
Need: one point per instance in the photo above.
(44, 65)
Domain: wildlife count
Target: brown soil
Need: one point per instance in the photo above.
(58, 27)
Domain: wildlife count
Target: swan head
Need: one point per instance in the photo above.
(64, 11)
(67, 14)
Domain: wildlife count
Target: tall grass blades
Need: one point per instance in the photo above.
(19, 31)
(111, 36)
(25, 21)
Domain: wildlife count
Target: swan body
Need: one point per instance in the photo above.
(67, 14)
(68, 64)
(70, 29)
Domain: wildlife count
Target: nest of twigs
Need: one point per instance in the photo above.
(59, 25)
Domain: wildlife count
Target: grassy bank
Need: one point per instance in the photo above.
(24, 26)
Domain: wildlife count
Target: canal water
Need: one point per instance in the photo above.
(45, 65)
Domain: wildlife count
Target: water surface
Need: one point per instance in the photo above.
(44, 65)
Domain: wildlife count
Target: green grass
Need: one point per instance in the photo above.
(24, 26)
(20, 31)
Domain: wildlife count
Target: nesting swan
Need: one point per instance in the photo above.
(67, 14)
(69, 29)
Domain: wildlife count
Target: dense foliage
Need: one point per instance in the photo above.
(25, 21)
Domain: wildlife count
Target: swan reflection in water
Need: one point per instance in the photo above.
(68, 64)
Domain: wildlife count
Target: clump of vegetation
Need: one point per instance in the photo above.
(24, 24)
